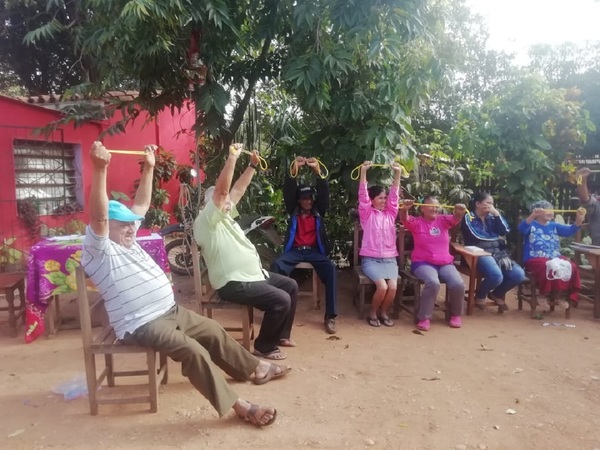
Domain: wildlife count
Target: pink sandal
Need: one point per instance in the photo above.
(455, 322)
(424, 325)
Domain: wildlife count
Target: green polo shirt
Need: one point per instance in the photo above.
(227, 252)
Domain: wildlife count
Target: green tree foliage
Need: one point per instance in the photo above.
(49, 65)
(361, 62)
(571, 66)
(524, 135)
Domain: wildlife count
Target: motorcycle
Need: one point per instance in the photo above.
(259, 229)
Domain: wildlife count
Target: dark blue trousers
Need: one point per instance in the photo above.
(326, 270)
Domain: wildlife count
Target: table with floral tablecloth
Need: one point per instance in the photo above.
(51, 272)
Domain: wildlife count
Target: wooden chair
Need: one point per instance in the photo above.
(362, 281)
(314, 292)
(589, 268)
(207, 300)
(105, 343)
(9, 284)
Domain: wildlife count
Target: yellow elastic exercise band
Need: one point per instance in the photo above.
(128, 152)
(294, 174)
(430, 204)
(579, 178)
(262, 162)
(565, 210)
(355, 174)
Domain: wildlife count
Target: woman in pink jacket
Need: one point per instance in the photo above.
(377, 212)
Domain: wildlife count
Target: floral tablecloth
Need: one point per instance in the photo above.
(51, 271)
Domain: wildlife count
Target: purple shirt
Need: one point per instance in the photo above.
(379, 227)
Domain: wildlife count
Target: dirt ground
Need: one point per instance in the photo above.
(372, 388)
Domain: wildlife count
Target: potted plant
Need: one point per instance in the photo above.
(10, 257)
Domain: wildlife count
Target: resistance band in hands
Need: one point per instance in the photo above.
(128, 152)
(262, 162)
(294, 174)
(355, 174)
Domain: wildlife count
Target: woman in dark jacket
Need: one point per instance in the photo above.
(485, 228)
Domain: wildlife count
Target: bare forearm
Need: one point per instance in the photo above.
(98, 202)
(396, 181)
(143, 196)
(582, 191)
(242, 183)
(223, 183)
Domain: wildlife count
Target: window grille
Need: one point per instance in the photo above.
(49, 175)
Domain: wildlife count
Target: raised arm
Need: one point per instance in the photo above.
(322, 201)
(459, 212)
(397, 173)
(364, 202)
(406, 205)
(290, 185)
(223, 183)
(143, 195)
(240, 186)
(582, 187)
(98, 199)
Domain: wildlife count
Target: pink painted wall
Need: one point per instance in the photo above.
(18, 119)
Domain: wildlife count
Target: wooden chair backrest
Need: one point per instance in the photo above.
(87, 310)
(202, 287)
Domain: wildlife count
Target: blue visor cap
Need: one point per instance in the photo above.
(118, 211)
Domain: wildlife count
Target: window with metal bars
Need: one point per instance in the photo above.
(48, 174)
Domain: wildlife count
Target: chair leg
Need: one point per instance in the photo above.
(447, 305)
(12, 318)
(152, 384)
(245, 328)
(417, 305)
(92, 384)
(110, 366)
(533, 300)
(164, 363)
(361, 302)
(315, 289)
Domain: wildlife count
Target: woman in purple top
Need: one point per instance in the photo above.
(377, 212)
(431, 260)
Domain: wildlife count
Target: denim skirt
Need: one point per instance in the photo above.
(379, 268)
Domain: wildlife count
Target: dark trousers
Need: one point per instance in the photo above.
(326, 271)
(202, 346)
(276, 297)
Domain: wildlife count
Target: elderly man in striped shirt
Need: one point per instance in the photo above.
(140, 303)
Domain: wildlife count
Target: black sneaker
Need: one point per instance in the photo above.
(330, 326)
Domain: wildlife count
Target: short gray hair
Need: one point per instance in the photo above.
(544, 204)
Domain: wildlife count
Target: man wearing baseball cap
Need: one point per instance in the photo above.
(140, 303)
(306, 239)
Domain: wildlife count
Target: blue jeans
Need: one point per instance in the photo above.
(496, 280)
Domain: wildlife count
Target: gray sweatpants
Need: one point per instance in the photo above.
(433, 276)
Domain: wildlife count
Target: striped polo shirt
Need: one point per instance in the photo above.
(134, 288)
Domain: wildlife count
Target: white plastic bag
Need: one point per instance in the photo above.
(558, 269)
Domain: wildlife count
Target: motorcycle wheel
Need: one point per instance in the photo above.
(180, 257)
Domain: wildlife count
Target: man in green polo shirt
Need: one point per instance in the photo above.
(234, 267)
